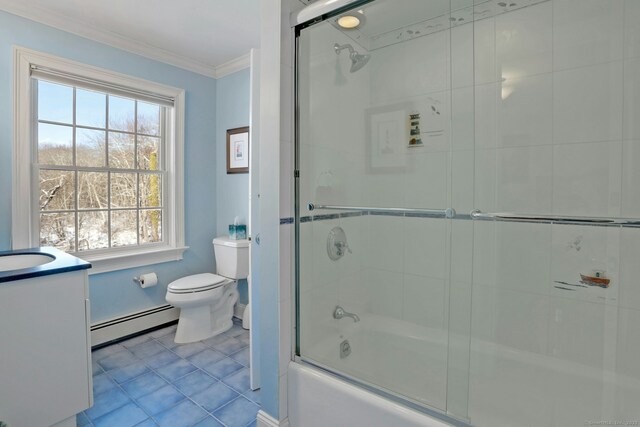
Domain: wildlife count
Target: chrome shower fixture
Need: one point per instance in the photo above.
(358, 60)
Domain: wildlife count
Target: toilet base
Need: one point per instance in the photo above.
(202, 322)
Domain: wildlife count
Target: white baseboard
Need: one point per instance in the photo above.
(133, 323)
(266, 420)
(238, 310)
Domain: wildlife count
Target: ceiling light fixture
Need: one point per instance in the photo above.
(349, 22)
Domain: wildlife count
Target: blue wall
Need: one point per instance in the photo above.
(113, 294)
(232, 111)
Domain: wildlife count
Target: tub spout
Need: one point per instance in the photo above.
(339, 313)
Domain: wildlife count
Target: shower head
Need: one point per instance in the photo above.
(358, 60)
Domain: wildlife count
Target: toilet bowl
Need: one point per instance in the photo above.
(206, 301)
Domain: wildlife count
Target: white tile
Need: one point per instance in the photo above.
(484, 248)
(384, 243)
(386, 70)
(630, 204)
(425, 247)
(629, 268)
(587, 179)
(513, 256)
(513, 319)
(425, 183)
(429, 71)
(524, 114)
(461, 251)
(628, 343)
(576, 331)
(385, 289)
(587, 32)
(485, 172)
(462, 56)
(316, 319)
(325, 269)
(462, 118)
(354, 293)
(587, 104)
(524, 41)
(462, 170)
(514, 179)
(631, 99)
(424, 301)
(580, 250)
(631, 28)
(486, 100)
(351, 262)
(484, 38)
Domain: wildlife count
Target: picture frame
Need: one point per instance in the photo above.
(387, 136)
(238, 150)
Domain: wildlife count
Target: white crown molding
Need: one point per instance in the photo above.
(81, 29)
(233, 66)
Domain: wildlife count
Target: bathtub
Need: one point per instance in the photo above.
(320, 398)
(505, 386)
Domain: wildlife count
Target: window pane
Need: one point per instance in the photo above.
(121, 150)
(55, 145)
(91, 108)
(58, 230)
(148, 153)
(92, 190)
(123, 228)
(150, 190)
(121, 114)
(148, 118)
(150, 226)
(123, 190)
(57, 190)
(55, 102)
(93, 230)
(90, 148)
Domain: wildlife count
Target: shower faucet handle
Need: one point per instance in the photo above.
(342, 245)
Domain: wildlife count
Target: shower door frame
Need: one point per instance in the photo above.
(297, 357)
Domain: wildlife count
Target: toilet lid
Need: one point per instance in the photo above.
(197, 282)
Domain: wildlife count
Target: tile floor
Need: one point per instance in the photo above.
(149, 380)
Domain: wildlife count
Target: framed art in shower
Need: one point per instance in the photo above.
(238, 150)
(386, 136)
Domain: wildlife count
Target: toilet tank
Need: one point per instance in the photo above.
(232, 257)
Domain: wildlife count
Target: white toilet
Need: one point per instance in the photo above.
(206, 300)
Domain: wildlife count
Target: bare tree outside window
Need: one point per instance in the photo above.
(100, 169)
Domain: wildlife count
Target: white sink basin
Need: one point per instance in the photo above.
(19, 261)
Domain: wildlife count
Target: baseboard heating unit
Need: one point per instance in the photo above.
(131, 324)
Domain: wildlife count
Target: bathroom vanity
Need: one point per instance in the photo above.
(45, 347)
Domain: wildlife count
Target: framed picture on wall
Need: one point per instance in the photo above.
(238, 150)
(387, 136)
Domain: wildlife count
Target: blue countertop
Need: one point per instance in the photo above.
(61, 263)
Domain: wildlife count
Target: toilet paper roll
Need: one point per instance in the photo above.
(148, 280)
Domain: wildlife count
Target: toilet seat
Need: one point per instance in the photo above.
(197, 283)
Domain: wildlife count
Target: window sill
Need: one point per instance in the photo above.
(104, 263)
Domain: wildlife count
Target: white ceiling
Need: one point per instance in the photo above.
(210, 37)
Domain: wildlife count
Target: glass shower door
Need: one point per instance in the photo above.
(383, 150)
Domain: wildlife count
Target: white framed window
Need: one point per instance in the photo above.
(98, 163)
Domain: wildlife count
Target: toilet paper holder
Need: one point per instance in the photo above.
(146, 280)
